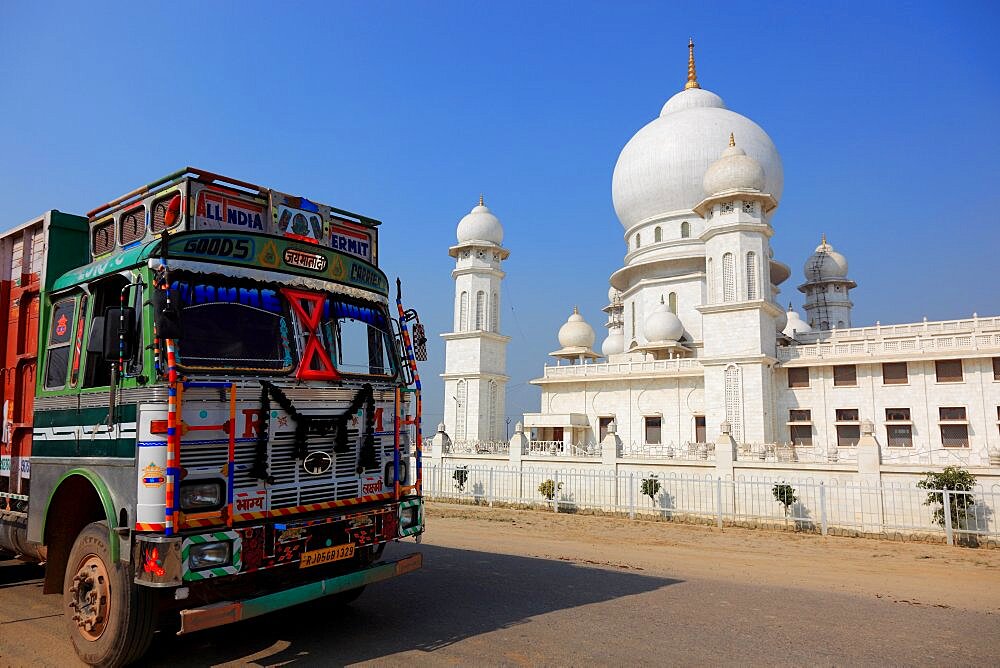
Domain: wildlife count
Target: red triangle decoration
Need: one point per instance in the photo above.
(308, 307)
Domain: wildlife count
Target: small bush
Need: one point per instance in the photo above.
(784, 494)
(548, 489)
(951, 478)
(650, 487)
(460, 476)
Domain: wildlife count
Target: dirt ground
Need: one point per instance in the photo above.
(907, 573)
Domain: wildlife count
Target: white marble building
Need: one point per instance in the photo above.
(697, 335)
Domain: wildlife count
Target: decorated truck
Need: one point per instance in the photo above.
(210, 409)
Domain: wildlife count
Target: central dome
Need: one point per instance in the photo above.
(660, 170)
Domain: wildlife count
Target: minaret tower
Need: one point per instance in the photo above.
(740, 318)
(827, 289)
(474, 376)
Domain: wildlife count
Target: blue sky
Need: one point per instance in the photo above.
(885, 116)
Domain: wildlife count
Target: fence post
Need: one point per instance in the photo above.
(949, 536)
(489, 492)
(718, 501)
(822, 508)
(631, 497)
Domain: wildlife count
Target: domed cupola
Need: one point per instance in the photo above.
(795, 324)
(735, 170)
(615, 341)
(576, 338)
(827, 289)
(825, 263)
(660, 170)
(480, 225)
(662, 326)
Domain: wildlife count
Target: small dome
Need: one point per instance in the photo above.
(480, 225)
(576, 333)
(735, 170)
(614, 344)
(613, 295)
(795, 324)
(662, 325)
(825, 263)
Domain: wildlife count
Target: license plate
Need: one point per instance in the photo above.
(326, 555)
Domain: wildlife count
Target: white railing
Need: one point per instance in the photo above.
(683, 452)
(560, 448)
(820, 506)
(478, 448)
(965, 326)
(925, 337)
(680, 365)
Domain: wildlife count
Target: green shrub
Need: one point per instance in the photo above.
(650, 487)
(784, 494)
(951, 478)
(548, 489)
(460, 476)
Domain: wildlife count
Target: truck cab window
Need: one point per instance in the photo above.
(61, 328)
(361, 340)
(105, 293)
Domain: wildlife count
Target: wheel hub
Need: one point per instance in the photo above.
(90, 597)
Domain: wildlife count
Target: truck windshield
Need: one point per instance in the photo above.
(232, 325)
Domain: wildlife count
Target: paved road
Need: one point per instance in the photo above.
(477, 607)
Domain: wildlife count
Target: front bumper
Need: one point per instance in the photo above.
(226, 612)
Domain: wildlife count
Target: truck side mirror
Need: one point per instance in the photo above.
(119, 333)
(419, 342)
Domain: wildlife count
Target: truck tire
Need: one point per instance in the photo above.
(110, 619)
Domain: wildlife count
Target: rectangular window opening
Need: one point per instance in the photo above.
(652, 430)
(798, 377)
(845, 375)
(948, 371)
(894, 373)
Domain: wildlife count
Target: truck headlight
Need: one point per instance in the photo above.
(210, 555)
(201, 495)
(404, 470)
(409, 517)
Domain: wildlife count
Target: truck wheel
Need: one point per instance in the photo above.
(110, 619)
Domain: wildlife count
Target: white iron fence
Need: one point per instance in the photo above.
(805, 505)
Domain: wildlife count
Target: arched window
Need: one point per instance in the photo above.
(638, 241)
(461, 410)
(492, 425)
(825, 325)
(463, 312)
(728, 278)
(657, 234)
(480, 310)
(672, 302)
(752, 275)
(495, 313)
(685, 230)
(840, 324)
(734, 401)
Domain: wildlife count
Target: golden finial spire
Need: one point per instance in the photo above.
(692, 81)
(823, 242)
(732, 139)
(576, 311)
(480, 199)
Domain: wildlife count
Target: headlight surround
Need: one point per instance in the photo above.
(210, 555)
(201, 495)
